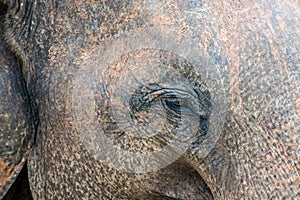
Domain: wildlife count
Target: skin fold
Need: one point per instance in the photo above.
(216, 81)
(16, 129)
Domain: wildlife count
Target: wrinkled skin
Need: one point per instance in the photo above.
(15, 116)
(242, 58)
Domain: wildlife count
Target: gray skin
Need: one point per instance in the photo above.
(242, 58)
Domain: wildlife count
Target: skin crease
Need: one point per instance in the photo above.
(14, 116)
(253, 45)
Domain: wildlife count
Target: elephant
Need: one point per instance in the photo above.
(160, 99)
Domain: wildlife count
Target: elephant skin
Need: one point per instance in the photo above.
(90, 66)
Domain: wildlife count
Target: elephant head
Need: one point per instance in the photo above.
(153, 99)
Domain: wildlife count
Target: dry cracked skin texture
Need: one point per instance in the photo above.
(247, 54)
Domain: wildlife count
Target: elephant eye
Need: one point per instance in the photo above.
(176, 105)
(172, 102)
(173, 105)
